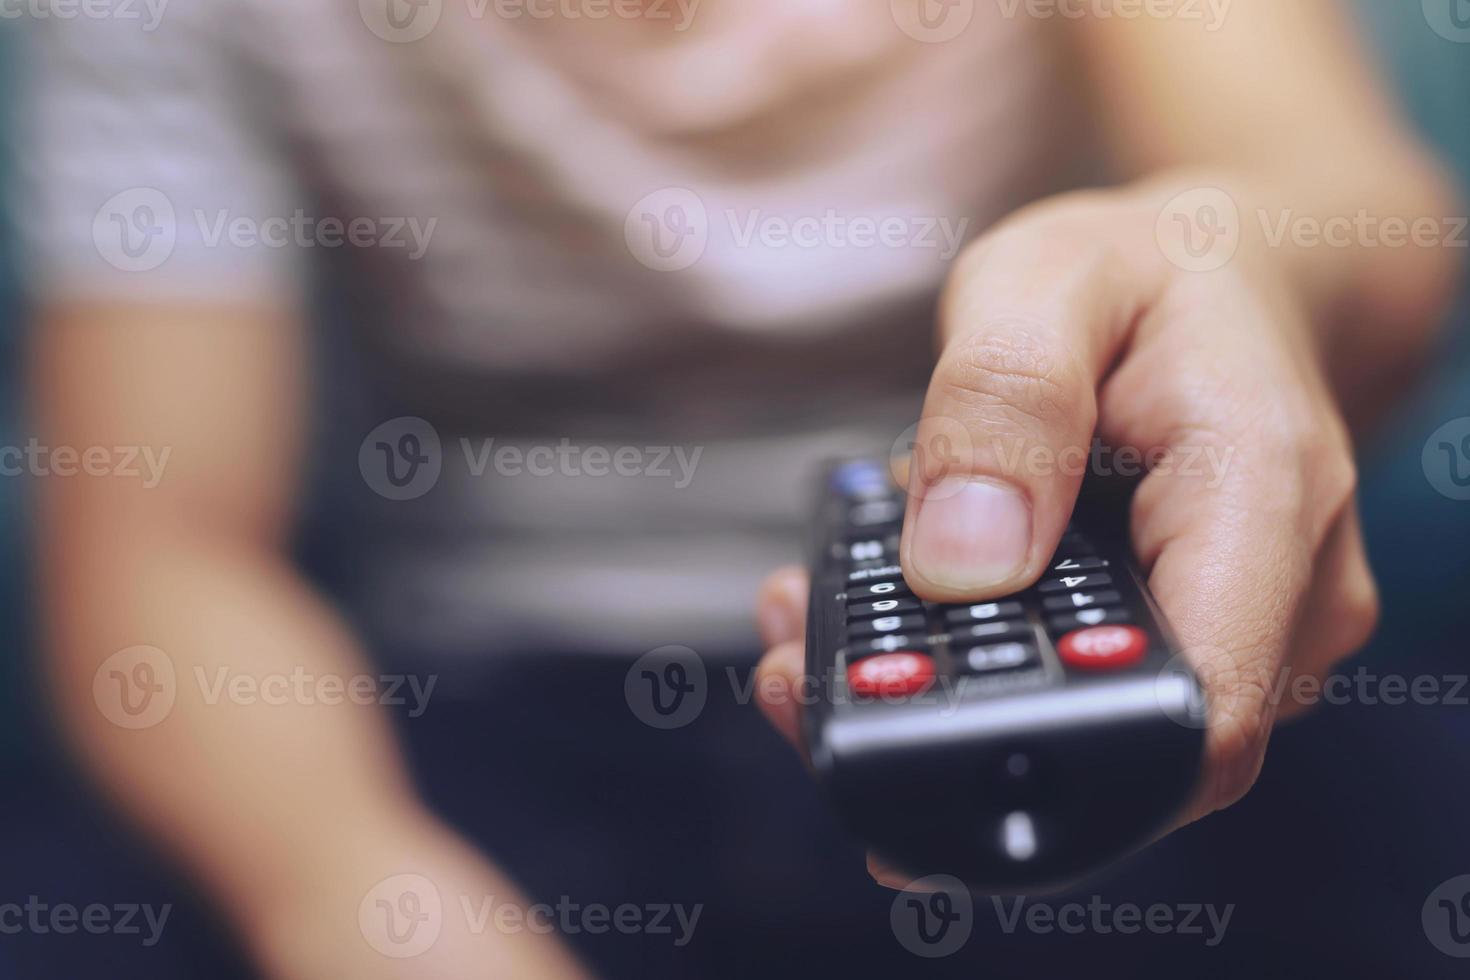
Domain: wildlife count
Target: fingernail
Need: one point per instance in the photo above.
(971, 533)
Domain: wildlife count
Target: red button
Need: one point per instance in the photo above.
(891, 675)
(1104, 647)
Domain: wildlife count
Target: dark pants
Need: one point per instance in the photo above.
(1360, 814)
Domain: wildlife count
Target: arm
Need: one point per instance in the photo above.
(289, 814)
(1080, 315)
(1281, 107)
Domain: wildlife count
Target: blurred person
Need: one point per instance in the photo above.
(546, 176)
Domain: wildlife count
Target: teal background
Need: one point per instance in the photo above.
(13, 647)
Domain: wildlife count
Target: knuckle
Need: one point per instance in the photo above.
(1238, 749)
(1339, 477)
(1328, 475)
(1007, 366)
(1282, 428)
(1284, 435)
(1200, 434)
(1200, 399)
(1241, 706)
(1361, 611)
(1226, 395)
(1367, 609)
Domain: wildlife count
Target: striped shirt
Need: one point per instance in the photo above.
(636, 270)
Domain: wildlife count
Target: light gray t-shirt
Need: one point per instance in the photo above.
(663, 266)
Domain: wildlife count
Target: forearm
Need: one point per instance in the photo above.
(1334, 197)
(249, 786)
(292, 811)
(1369, 254)
(272, 775)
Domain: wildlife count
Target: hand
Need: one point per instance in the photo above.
(1067, 321)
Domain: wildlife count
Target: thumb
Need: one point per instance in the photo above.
(1008, 421)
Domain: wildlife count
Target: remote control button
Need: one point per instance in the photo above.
(984, 612)
(1002, 656)
(1094, 581)
(1082, 563)
(879, 590)
(868, 549)
(878, 573)
(885, 624)
(862, 479)
(891, 675)
(888, 644)
(1088, 617)
(1103, 647)
(1000, 632)
(875, 513)
(883, 607)
(1080, 600)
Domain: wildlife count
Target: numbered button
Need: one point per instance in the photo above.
(999, 632)
(1001, 656)
(888, 644)
(883, 607)
(875, 513)
(1080, 600)
(867, 549)
(878, 590)
(886, 624)
(1087, 617)
(1095, 580)
(982, 613)
(1079, 563)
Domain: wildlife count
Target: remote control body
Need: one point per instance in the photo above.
(1017, 743)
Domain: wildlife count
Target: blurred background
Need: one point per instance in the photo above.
(1338, 773)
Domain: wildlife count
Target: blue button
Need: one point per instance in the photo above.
(860, 478)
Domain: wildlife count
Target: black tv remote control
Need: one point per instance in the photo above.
(1015, 743)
